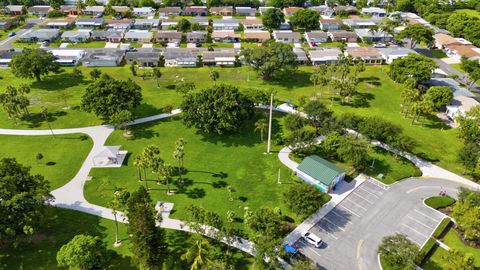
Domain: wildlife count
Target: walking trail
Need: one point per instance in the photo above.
(71, 196)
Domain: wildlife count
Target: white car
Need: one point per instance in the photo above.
(312, 239)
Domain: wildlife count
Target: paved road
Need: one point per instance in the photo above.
(357, 225)
(5, 44)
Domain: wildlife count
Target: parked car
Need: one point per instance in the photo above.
(11, 34)
(312, 239)
(380, 45)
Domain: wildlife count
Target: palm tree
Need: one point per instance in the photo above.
(115, 204)
(149, 159)
(157, 74)
(196, 254)
(261, 125)
(214, 75)
(230, 190)
(372, 30)
(79, 6)
(138, 162)
(180, 147)
(166, 172)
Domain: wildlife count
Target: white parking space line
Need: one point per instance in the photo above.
(436, 220)
(333, 223)
(354, 193)
(421, 223)
(408, 237)
(351, 212)
(414, 230)
(314, 251)
(348, 199)
(325, 231)
(341, 216)
(364, 189)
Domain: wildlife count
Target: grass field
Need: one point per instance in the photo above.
(438, 53)
(212, 163)
(91, 44)
(378, 96)
(62, 155)
(41, 253)
(437, 202)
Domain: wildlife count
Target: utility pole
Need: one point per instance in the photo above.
(270, 124)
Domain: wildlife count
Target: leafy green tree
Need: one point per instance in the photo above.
(121, 120)
(183, 25)
(439, 95)
(148, 241)
(214, 75)
(271, 60)
(317, 114)
(306, 19)
(354, 151)
(331, 143)
(107, 96)
(465, 212)
(320, 76)
(95, 74)
(15, 102)
(415, 66)
(266, 221)
(472, 68)
(303, 265)
(398, 251)
(23, 199)
(91, 3)
(273, 18)
(417, 33)
(33, 63)
(302, 140)
(83, 252)
(469, 126)
(217, 109)
(303, 199)
(456, 259)
(197, 254)
(461, 24)
(469, 157)
(294, 122)
(376, 128)
(184, 87)
(55, 14)
(157, 74)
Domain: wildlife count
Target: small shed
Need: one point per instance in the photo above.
(320, 173)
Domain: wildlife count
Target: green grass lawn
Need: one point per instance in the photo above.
(438, 53)
(212, 163)
(23, 45)
(62, 155)
(90, 44)
(437, 202)
(41, 253)
(436, 260)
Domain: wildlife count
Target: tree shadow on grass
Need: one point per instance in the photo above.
(35, 120)
(296, 79)
(195, 193)
(59, 81)
(432, 121)
(360, 100)
(371, 80)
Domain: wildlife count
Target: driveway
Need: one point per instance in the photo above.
(353, 230)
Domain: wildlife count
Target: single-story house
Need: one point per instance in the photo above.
(316, 37)
(324, 56)
(457, 89)
(225, 24)
(323, 10)
(285, 25)
(202, 21)
(330, 24)
(245, 11)
(169, 11)
(343, 36)
(146, 24)
(263, 9)
(197, 36)
(223, 11)
(223, 57)
(60, 23)
(460, 105)
(89, 23)
(301, 55)
(362, 23)
(369, 55)
(15, 10)
(5, 24)
(68, 57)
(6, 57)
(140, 36)
(288, 11)
(76, 36)
(252, 23)
(39, 10)
(70, 10)
(228, 36)
(256, 35)
(345, 10)
(121, 9)
(441, 40)
(41, 35)
(166, 23)
(392, 53)
(94, 10)
(176, 57)
(377, 36)
(114, 36)
(320, 173)
(459, 51)
(143, 11)
(374, 11)
(287, 36)
(144, 58)
(169, 36)
(195, 11)
(103, 58)
(124, 24)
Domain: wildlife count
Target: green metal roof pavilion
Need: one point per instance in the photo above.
(320, 169)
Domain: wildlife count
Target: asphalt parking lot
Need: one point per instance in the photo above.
(361, 220)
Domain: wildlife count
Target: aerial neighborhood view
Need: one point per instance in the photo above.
(240, 134)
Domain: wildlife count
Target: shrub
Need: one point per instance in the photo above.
(441, 227)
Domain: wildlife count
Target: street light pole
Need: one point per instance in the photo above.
(270, 124)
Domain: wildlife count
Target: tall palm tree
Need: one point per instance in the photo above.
(166, 172)
(138, 162)
(261, 125)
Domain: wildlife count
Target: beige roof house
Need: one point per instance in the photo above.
(256, 35)
(369, 55)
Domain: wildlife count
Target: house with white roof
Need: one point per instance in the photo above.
(68, 57)
(245, 11)
(324, 56)
(392, 53)
(287, 36)
(76, 36)
(374, 11)
(140, 36)
(226, 24)
(89, 23)
(143, 11)
(459, 106)
(361, 23)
